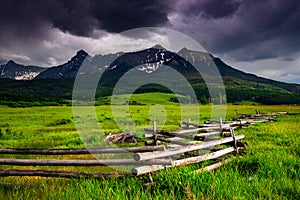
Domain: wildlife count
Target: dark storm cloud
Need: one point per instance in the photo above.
(211, 8)
(80, 17)
(117, 16)
(245, 30)
(49, 31)
(43, 32)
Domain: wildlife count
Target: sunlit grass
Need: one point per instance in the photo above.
(269, 170)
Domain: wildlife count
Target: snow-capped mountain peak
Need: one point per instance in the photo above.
(12, 70)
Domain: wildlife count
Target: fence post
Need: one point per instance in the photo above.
(234, 140)
(221, 126)
(154, 133)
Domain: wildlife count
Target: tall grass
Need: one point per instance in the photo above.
(269, 170)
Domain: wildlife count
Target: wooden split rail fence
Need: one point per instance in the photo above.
(193, 144)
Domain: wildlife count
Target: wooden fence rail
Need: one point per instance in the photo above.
(180, 150)
(192, 160)
(146, 159)
(58, 174)
(114, 162)
(80, 151)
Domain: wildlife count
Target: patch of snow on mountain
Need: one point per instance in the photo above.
(115, 66)
(26, 76)
(2, 72)
(150, 67)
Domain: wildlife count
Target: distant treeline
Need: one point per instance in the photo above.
(59, 92)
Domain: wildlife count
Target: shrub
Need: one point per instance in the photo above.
(60, 122)
(1, 134)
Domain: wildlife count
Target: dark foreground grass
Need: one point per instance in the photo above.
(269, 170)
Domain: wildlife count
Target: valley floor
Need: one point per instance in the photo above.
(269, 170)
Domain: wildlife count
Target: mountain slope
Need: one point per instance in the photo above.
(12, 70)
(239, 85)
(150, 60)
(67, 70)
(57, 82)
(226, 70)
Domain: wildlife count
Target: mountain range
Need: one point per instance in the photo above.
(18, 81)
(12, 70)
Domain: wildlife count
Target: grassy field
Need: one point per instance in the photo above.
(269, 170)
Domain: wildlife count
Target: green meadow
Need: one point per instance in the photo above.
(270, 168)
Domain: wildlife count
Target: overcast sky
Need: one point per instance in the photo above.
(261, 37)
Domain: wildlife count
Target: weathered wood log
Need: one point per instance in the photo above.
(200, 136)
(182, 134)
(148, 135)
(213, 166)
(194, 130)
(201, 158)
(282, 113)
(114, 162)
(121, 137)
(239, 122)
(147, 169)
(225, 125)
(175, 151)
(205, 126)
(80, 151)
(192, 160)
(169, 140)
(260, 121)
(57, 173)
(188, 131)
